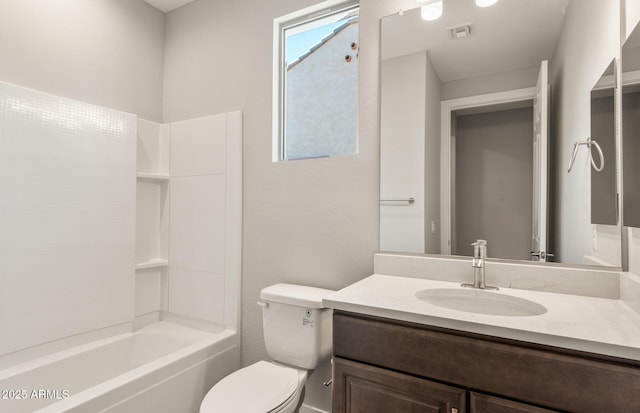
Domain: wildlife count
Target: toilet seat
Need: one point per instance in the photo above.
(259, 388)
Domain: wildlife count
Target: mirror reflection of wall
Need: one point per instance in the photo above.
(603, 132)
(631, 128)
(426, 64)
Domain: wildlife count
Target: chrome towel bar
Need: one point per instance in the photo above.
(588, 143)
(409, 201)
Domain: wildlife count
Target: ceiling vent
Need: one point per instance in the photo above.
(462, 31)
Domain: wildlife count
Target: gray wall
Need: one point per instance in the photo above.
(631, 13)
(432, 160)
(311, 222)
(494, 182)
(603, 183)
(498, 82)
(631, 158)
(104, 52)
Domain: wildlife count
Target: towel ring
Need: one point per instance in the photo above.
(589, 143)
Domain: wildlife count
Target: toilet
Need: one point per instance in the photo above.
(297, 335)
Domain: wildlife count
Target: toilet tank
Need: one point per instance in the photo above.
(297, 328)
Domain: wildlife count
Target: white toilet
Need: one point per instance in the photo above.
(297, 335)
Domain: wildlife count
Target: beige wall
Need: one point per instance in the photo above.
(104, 52)
(311, 222)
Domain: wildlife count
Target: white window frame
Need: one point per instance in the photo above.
(279, 25)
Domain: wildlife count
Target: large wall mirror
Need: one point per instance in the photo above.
(474, 145)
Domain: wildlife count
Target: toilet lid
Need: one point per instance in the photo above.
(258, 388)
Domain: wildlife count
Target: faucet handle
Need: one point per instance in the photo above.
(479, 248)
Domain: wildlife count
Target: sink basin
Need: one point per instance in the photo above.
(481, 302)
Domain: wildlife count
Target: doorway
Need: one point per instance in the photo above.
(493, 179)
(536, 97)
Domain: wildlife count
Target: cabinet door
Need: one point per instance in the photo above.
(482, 403)
(360, 388)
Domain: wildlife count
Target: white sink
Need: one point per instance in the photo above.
(481, 302)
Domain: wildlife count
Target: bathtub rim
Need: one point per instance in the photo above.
(142, 377)
(201, 345)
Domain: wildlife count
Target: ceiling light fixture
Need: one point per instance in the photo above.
(485, 3)
(431, 11)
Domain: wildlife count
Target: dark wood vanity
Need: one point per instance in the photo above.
(383, 365)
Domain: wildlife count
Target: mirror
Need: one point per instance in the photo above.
(474, 143)
(602, 146)
(631, 128)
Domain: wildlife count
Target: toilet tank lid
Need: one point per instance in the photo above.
(292, 294)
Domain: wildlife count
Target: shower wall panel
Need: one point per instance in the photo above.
(67, 217)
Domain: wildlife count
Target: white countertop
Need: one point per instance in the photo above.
(596, 325)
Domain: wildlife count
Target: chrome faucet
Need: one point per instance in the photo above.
(479, 256)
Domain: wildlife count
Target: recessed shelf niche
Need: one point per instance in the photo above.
(152, 244)
(152, 217)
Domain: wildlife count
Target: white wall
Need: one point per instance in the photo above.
(589, 41)
(67, 213)
(631, 16)
(152, 220)
(193, 222)
(205, 218)
(311, 222)
(105, 52)
(410, 154)
(402, 153)
(634, 250)
(108, 53)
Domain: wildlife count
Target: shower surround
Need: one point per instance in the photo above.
(83, 271)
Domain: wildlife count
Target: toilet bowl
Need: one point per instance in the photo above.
(298, 335)
(261, 387)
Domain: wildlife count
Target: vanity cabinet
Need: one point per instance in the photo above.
(383, 365)
(367, 388)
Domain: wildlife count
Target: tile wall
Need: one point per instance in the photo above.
(204, 202)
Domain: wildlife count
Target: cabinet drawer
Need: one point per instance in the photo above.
(482, 403)
(540, 376)
(359, 388)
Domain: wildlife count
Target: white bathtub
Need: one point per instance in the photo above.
(164, 367)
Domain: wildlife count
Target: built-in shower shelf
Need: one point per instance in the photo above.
(155, 263)
(152, 177)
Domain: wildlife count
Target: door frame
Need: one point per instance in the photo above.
(447, 150)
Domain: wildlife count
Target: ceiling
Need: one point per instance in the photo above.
(168, 5)
(511, 35)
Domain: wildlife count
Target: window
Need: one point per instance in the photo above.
(316, 87)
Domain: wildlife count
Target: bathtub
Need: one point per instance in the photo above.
(163, 367)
